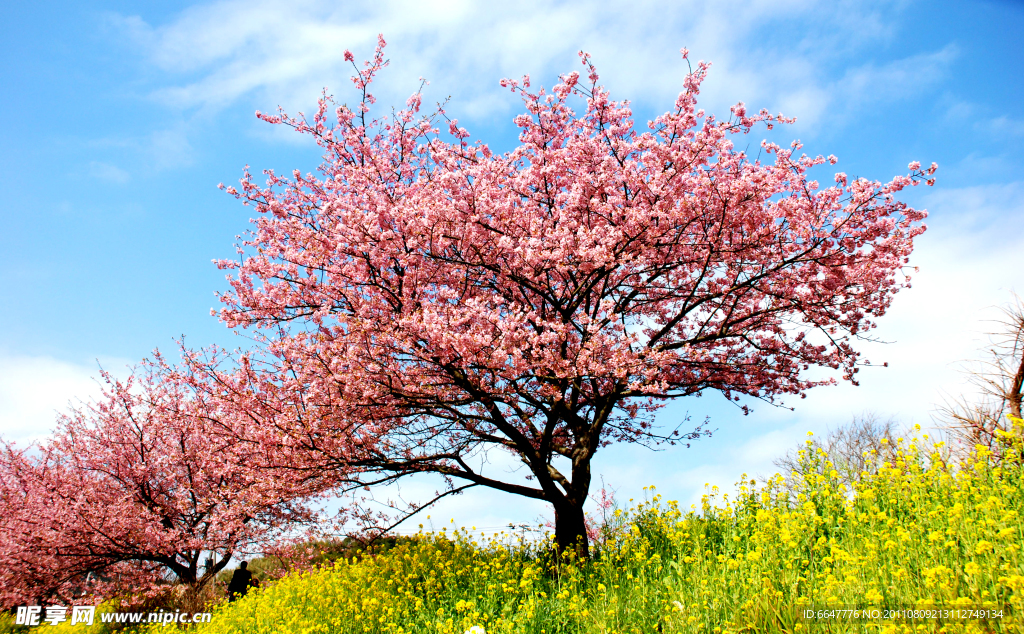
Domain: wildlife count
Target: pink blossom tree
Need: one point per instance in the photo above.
(423, 300)
(137, 488)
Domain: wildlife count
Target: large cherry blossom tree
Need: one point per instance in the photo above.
(139, 487)
(424, 300)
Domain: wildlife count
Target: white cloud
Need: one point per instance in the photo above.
(898, 78)
(108, 173)
(170, 148)
(33, 389)
(871, 84)
(215, 54)
(159, 149)
(1005, 125)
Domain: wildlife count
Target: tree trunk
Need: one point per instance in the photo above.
(571, 530)
(1016, 387)
(210, 572)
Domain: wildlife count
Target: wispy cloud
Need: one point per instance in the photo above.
(897, 79)
(1007, 125)
(108, 173)
(215, 54)
(872, 85)
(169, 148)
(159, 149)
(34, 389)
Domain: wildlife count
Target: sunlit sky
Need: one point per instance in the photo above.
(120, 119)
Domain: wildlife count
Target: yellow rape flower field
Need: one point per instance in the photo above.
(915, 533)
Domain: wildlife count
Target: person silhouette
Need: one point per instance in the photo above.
(240, 581)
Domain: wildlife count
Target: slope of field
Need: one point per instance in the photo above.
(914, 534)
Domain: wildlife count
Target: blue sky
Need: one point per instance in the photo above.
(120, 119)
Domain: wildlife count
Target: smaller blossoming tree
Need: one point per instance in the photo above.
(132, 490)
